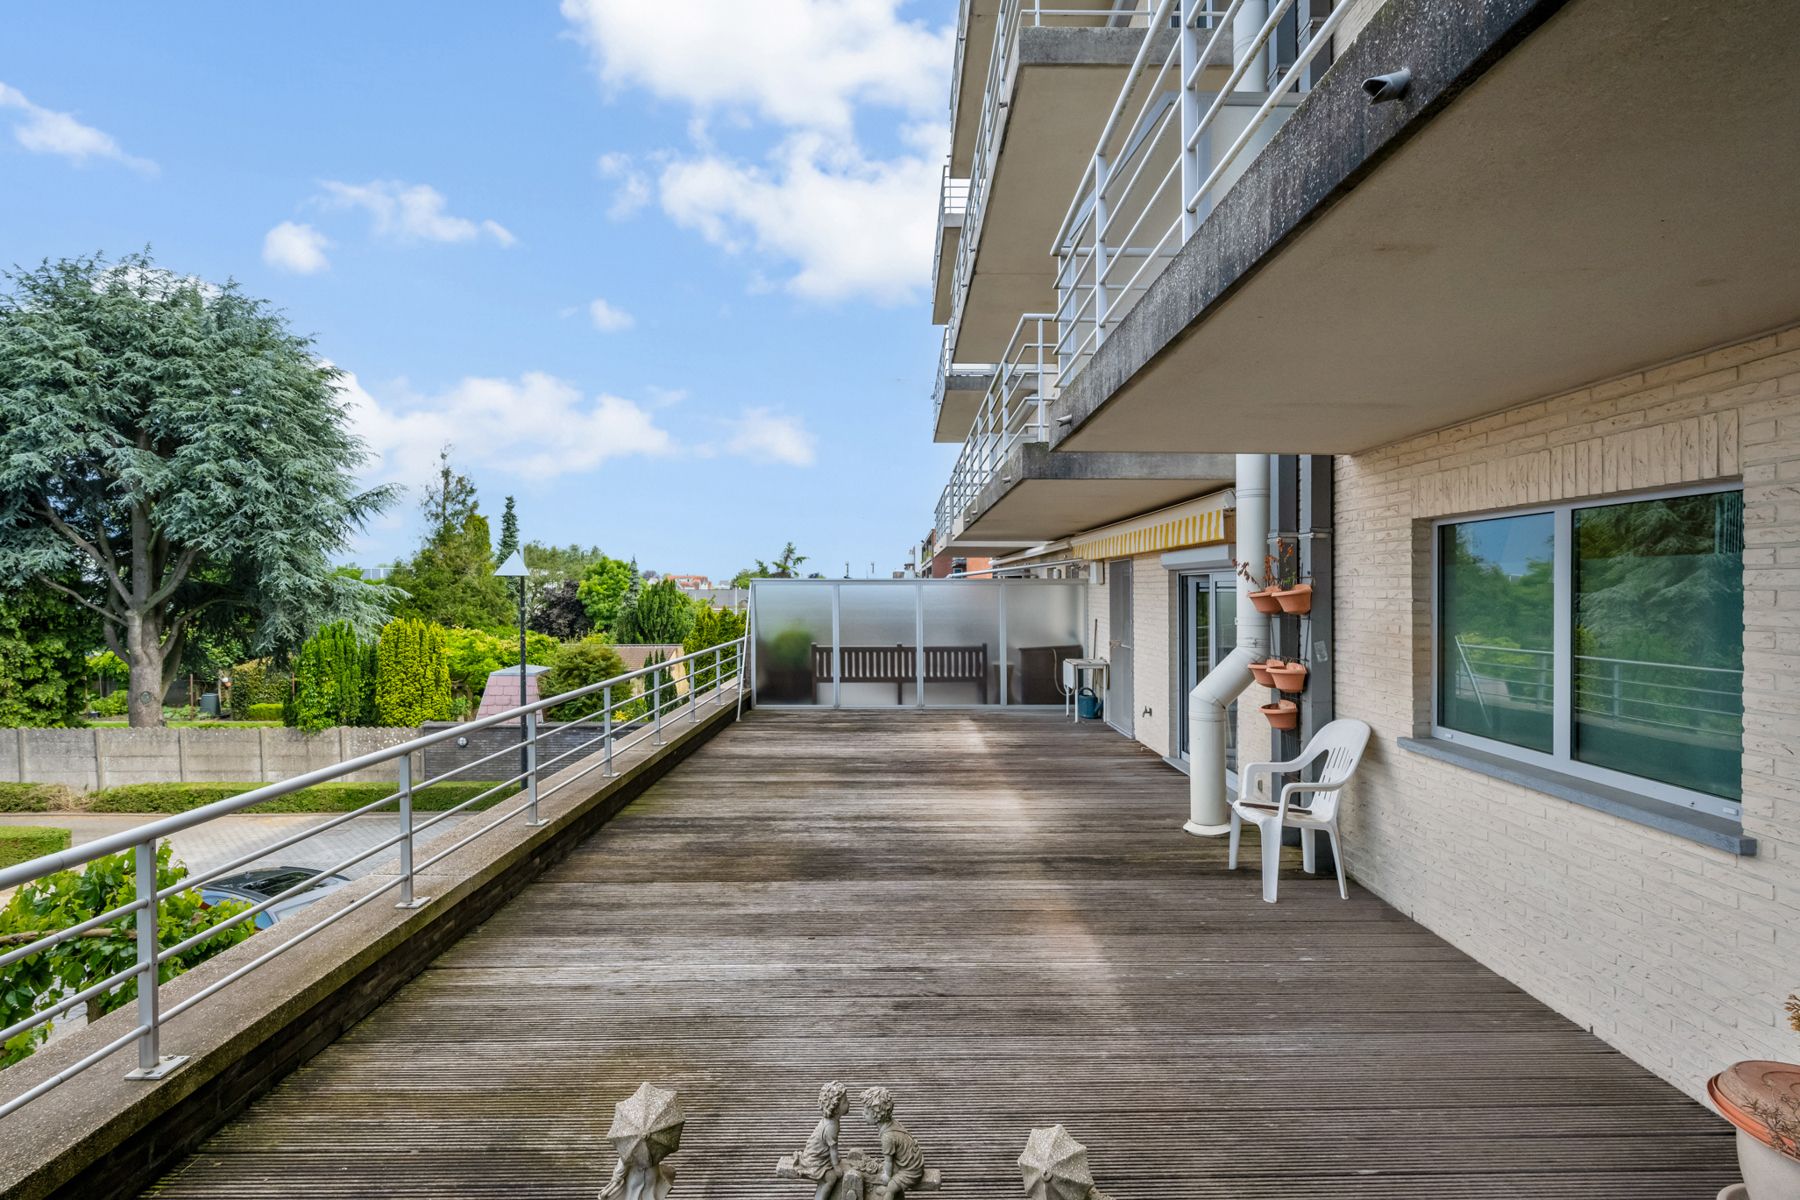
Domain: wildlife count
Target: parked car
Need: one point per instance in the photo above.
(259, 883)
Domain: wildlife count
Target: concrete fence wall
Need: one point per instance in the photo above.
(99, 758)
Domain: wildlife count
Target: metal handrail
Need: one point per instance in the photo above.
(1012, 410)
(723, 663)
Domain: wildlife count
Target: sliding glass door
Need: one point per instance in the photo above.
(1208, 633)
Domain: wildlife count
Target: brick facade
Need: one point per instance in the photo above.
(1677, 954)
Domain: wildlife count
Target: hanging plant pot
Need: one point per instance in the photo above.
(1283, 714)
(1265, 601)
(1290, 677)
(1745, 1093)
(1295, 601)
(1259, 671)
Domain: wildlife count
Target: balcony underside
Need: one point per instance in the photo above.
(1570, 191)
(997, 917)
(965, 108)
(1065, 84)
(963, 390)
(1040, 495)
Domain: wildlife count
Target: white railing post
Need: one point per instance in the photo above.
(1190, 117)
(531, 770)
(661, 680)
(1099, 249)
(151, 1063)
(606, 726)
(407, 899)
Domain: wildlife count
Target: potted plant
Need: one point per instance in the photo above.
(1261, 590)
(1762, 1099)
(1290, 676)
(1259, 671)
(1290, 595)
(1282, 714)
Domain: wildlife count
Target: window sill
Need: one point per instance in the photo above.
(1718, 832)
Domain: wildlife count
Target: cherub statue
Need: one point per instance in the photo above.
(646, 1128)
(819, 1161)
(903, 1162)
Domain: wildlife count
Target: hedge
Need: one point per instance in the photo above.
(37, 797)
(320, 798)
(22, 843)
(262, 712)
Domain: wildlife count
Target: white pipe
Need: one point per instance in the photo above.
(1208, 704)
(1249, 22)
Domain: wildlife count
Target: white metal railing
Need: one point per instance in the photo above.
(620, 720)
(1156, 173)
(1012, 411)
(1015, 15)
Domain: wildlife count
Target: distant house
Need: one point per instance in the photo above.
(691, 583)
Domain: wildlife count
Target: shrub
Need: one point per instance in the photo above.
(712, 627)
(576, 665)
(257, 682)
(37, 797)
(334, 680)
(44, 644)
(320, 798)
(22, 843)
(112, 705)
(477, 653)
(263, 712)
(661, 614)
(412, 674)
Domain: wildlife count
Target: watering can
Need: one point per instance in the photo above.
(1087, 704)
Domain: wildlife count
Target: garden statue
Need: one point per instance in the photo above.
(819, 1161)
(646, 1128)
(902, 1161)
(1055, 1167)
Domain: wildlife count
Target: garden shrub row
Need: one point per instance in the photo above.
(262, 712)
(37, 797)
(320, 798)
(22, 843)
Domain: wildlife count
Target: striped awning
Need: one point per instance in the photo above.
(1201, 522)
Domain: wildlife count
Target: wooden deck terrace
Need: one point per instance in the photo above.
(997, 916)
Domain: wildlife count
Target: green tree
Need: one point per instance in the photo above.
(475, 654)
(173, 457)
(557, 610)
(785, 566)
(258, 681)
(68, 898)
(554, 564)
(412, 673)
(603, 586)
(577, 665)
(509, 533)
(662, 614)
(449, 500)
(44, 648)
(451, 580)
(334, 680)
(712, 627)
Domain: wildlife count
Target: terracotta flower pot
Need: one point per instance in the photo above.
(1259, 671)
(1289, 678)
(1765, 1156)
(1265, 601)
(1296, 601)
(1283, 714)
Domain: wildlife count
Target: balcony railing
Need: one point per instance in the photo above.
(1014, 16)
(625, 714)
(1169, 151)
(1012, 411)
(953, 207)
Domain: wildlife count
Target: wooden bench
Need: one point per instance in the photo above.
(898, 665)
(855, 1166)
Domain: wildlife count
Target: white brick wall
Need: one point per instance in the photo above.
(1677, 954)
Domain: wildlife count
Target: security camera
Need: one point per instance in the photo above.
(1382, 88)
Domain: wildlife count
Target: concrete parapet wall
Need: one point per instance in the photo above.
(98, 758)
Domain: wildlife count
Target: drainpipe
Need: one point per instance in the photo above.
(1251, 17)
(1208, 813)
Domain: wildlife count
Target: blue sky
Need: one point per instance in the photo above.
(657, 269)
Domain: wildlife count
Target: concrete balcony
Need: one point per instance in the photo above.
(1030, 941)
(1569, 190)
(953, 207)
(1051, 77)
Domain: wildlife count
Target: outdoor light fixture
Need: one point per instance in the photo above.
(514, 568)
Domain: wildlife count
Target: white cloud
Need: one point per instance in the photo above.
(297, 248)
(767, 436)
(801, 63)
(849, 225)
(46, 131)
(537, 426)
(819, 214)
(609, 319)
(412, 212)
(632, 187)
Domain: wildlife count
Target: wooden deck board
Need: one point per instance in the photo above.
(997, 916)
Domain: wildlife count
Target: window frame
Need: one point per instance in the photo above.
(1561, 758)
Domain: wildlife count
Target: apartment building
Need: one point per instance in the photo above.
(1483, 319)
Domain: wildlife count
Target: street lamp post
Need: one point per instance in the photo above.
(514, 568)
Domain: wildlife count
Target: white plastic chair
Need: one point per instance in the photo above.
(1341, 744)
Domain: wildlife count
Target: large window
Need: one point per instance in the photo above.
(1605, 640)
